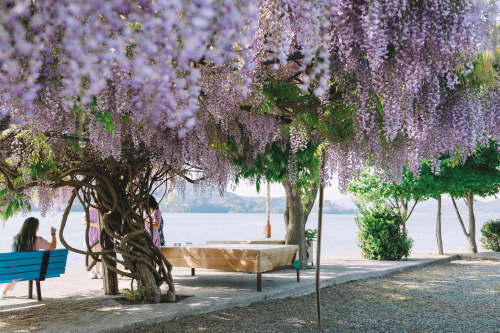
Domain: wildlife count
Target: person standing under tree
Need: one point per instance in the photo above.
(154, 203)
(155, 214)
(27, 240)
(93, 236)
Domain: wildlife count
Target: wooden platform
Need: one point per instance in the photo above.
(251, 258)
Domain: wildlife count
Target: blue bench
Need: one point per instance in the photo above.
(32, 266)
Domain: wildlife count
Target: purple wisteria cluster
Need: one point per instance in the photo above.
(166, 72)
(404, 57)
(56, 54)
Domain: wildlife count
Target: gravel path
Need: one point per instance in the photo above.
(458, 296)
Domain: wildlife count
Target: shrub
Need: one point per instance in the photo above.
(138, 295)
(311, 235)
(380, 234)
(491, 235)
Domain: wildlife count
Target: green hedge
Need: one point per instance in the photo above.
(380, 234)
(491, 235)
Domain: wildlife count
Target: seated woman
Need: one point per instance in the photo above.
(27, 240)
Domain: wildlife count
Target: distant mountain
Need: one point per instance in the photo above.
(346, 202)
(211, 202)
(77, 207)
(429, 207)
(480, 207)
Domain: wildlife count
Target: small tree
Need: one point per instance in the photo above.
(371, 187)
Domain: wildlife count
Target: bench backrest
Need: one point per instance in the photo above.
(28, 265)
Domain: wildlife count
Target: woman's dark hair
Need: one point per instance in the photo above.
(25, 239)
(152, 203)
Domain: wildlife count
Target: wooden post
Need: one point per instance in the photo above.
(259, 281)
(318, 249)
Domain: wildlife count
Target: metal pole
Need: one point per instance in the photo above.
(267, 228)
(318, 253)
(268, 201)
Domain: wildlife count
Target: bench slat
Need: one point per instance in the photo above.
(31, 268)
(59, 252)
(20, 262)
(58, 259)
(21, 255)
(34, 275)
(20, 269)
(31, 275)
(55, 273)
(31, 254)
(22, 276)
(61, 257)
(56, 265)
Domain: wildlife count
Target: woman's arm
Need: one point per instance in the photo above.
(54, 240)
(154, 217)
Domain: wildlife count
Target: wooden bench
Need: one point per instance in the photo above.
(32, 266)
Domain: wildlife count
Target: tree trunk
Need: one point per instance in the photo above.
(109, 277)
(146, 279)
(295, 220)
(472, 222)
(405, 211)
(438, 228)
(403, 205)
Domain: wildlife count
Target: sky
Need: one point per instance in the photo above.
(331, 193)
(277, 190)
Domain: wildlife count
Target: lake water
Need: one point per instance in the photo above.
(339, 230)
